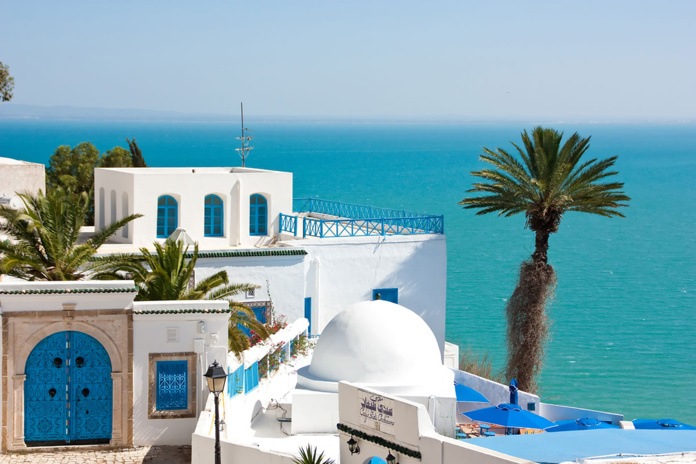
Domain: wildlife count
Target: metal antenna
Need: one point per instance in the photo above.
(244, 151)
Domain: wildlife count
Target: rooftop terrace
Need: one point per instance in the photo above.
(323, 218)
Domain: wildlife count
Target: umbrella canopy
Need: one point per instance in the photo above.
(509, 415)
(586, 423)
(376, 460)
(513, 391)
(663, 424)
(465, 393)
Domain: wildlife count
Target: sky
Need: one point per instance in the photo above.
(582, 60)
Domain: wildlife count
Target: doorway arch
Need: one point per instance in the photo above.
(68, 391)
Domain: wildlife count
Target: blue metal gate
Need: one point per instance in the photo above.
(67, 391)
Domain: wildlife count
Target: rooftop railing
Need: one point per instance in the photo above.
(357, 220)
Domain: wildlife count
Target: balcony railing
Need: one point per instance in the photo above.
(357, 220)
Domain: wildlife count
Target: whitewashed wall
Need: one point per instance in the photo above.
(344, 271)
(150, 336)
(284, 274)
(136, 190)
(412, 429)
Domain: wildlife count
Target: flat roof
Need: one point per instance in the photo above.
(557, 447)
(190, 170)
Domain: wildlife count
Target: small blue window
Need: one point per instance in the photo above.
(386, 294)
(251, 377)
(260, 313)
(167, 216)
(213, 216)
(258, 215)
(172, 385)
(235, 382)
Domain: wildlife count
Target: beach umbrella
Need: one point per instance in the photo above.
(509, 415)
(662, 424)
(513, 391)
(586, 423)
(465, 393)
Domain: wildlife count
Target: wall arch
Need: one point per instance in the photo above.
(109, 345)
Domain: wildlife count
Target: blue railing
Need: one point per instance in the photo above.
(358, 220)
(288, 224)
(347, 210)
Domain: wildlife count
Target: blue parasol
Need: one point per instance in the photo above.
(376, 460)
(586, 423)
(513, 391)
(509, 415)
(662, 424)
(465, 393)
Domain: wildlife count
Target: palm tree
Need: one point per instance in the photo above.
(310, 455)
(549, 180)
(167, 274)
(45, 237)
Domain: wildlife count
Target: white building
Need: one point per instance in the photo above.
(313, 256)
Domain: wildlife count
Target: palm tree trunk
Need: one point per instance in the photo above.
(541, 247)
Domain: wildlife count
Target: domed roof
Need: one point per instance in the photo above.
(377, 343)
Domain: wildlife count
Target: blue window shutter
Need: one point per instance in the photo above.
(213, 220)
(235, 382)
(172, 385)
(386, 294)
(167, 216)
(258, 215)
(251, 377)
(260, 313)
(308, 310)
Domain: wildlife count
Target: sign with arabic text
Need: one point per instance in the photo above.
(376, 411)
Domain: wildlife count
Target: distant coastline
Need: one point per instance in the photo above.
(17, 111)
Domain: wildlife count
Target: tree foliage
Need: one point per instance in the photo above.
(168, 274)
(549, 179)
(72, 169)
(136, 155)
(310, 455)
(45, 237)
(6, 83)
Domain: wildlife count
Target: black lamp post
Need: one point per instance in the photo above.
(216, 377)
(391, 459)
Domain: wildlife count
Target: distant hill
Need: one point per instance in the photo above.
(19, 111)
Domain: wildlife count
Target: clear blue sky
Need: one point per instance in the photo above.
(461, 59)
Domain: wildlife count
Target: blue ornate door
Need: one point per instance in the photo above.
(67, 391)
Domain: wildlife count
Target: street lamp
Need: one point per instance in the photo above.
(216, 377)
(353, 446)
(391, 459)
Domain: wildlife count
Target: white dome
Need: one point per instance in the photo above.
(377, 343)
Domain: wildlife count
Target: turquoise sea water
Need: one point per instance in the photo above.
(624, 322)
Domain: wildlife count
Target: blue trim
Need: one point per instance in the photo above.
(172, 385)
(359, 221)
(288, 224)
(251, 377)
(308, 311)
(167, 216)
(258, 215)
(214, 217)
(235, 382)
(386, 294)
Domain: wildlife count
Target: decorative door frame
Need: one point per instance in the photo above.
(22, 331)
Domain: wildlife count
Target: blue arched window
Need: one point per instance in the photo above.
(167, 212)
(213, 216)
(258, 215)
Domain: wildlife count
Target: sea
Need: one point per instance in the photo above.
(623, 318)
